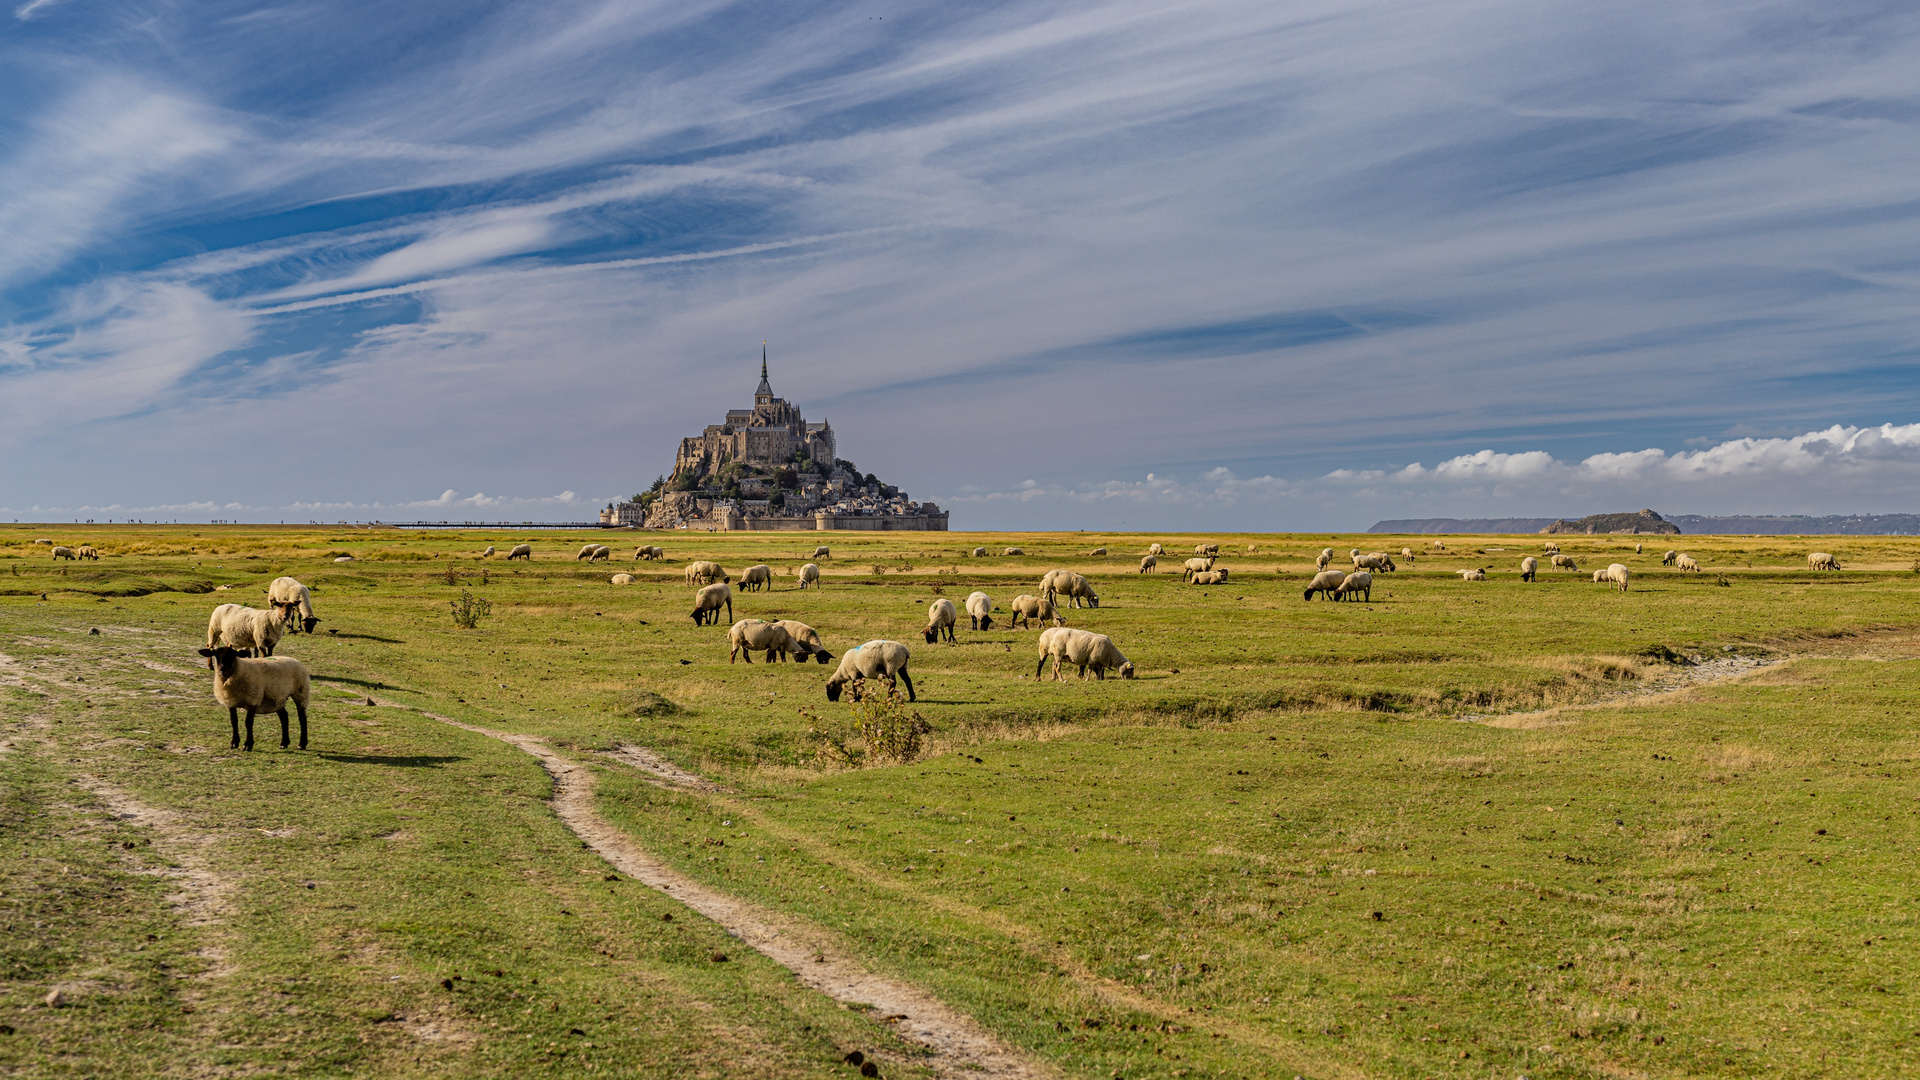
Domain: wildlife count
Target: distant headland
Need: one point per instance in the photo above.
(1696, 524)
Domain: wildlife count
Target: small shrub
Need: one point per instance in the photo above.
(883, 729)
(469, 610)
(1661, 654)
(878, 570)
(449, 576)
(643, 703)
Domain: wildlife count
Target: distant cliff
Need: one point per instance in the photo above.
(1644, 522)
(1455, 526)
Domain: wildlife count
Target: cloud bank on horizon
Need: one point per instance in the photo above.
(323, 261)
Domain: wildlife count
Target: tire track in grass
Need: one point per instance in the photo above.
(960, 1045)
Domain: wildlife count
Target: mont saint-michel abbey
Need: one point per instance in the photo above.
(767, 468)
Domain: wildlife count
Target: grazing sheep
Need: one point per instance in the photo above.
(1376, 560)
(1406, 553)
(601, 551)
(1206, 549)
(806, 641)
(1820, 560)
(1438, 546)
(879, 659)
(707, 603)
(1070, 585)
(1529, 567)
(1685, 562)
(940, 619)
(259, 686)
(1209, 577)
(701, 572)
(1564, 562)
(624, 579)
(1097, 551)
(1083, 649)
(85, 551)
(1636, 549)
(979, 553)
(651, 553)
(1326, 582)
(1599, 576)
(487, 554)
(588, 552)
(1149, 564)
(755, 578)
(1667, 559)
(822, 552)
(244, 629)
(1195, 566)
(1029, 608)
(521, 551)
(1551, 547)
(1013, 551)
(1326, 556)
(1617, 574)
(47, 542)
(1156, 549)
(750, 634)
(809, 575)
(63, 552)
(980, 611)
(289, 596)
(1475, 574)
(1358, 582)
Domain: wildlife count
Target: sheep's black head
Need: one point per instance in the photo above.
(1093, 601)
(699, 617)
(833, 690)
(823, 656)
(307, 624)
(223, 658)
(932, 635)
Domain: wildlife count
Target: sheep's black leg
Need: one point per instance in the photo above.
(716, 614)
(282, 711)
(1100, 673)
(1041, 668)
(233, 716)
(908, 679)
(249, 729)
(303, 724)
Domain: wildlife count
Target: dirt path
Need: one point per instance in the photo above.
(661, 769)
(1691, 677)
(959, 1045)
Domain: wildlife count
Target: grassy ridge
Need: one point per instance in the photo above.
(1173, 875)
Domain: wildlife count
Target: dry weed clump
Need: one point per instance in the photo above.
(883, 729)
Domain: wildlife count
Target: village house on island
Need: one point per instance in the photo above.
(766, 468)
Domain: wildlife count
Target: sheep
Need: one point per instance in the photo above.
(244, 629)
(589, 552)
(1206, 549)
(1406, 553)
(44, 541)
(1029, 608)
(1617, 574)
(1667, 559)
(1326, 582)
(1636, 549)
(1529, 567)
(1475, 574)
(1013, 551)
(1564, 562)
(806, 641)
(1358, 582)
(1552, 548)
(1820, 560)
(1097, 551)
(521, 551)
(1376, 560)
(1326, 556)
(702, 572)
(86, 551)
(289, 596)
(1070, 585)
(940, 619)
(878, 659)
(650, 553)
(707, 602)
(487, 554)
(822, 552)
(1149, 564)
(750, 634)
(624, 579)
(1083, 649)
(1685, 562)
(1156, 549)
(1209, 577)
(1599, 576)
(63, 552)
(755, 578)
(980, 611)
(1195, 566)
(259, 686)
(1438, 546)
(809, 575)
(980, 553)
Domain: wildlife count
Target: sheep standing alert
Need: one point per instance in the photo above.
(980, 611)
(1083, 649)
(1326, 582)
(940, 619)
(878, 659)
(1195, 566)
(259, 686)
(708, 601)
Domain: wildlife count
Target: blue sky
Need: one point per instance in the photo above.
(1054, 265)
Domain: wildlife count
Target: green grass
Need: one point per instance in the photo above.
(1174, 875)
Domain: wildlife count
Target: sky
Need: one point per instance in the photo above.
(1052, 265)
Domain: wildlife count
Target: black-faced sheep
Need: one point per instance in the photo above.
(86, 551)
(707, 603)
(822, 552)
(521, 551)
(806, 641)
(1564, 562)
(980, 611)
(1529, 567)
(650, 553)
(294, 603)
(1326, 582)
(244, 629)
(750, 634)
(1820, 560)
(1685, 562)
(1375, 560)
(940, 619)
(1475, 574)
(1195, 566)
(63, 552)
(701, 572)
(1206, 549)
(1027, 608)
(487, 554)
(590, 551)
(1070, 585)
(1013, 551)
(1083, 649)
(259, 686)
(1325, 557)
(1359, 582)
(1667, 559)
(757, 577)
(878, 659)
(809, 575)
(1616, 574)
(1148, 564)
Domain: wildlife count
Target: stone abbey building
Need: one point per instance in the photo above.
(767, 434)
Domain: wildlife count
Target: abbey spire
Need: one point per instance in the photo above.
(764, 395)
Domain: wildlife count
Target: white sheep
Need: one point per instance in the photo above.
(757, 577)
(259, 686)
(941, 616)
(1406, 553)
(1097, 551)
(1083, 649)
(63, 552)
(1326, 582)
(1617, 574)
(650, 553)
(806, 640)
(49, 543)
(1209, 577)
(1195, 566)
(1070, 585)
(750, 634)
(809, 575)
(521, 551)
(624, 579)
(1667, 559)
(1013, 551)
(86, 551)
(1149, 564)
(1529, 567)
(244, 629)
(288, 596)
(1820, 560)
(1206, 549)
(980, 553)
(878, 659)
(1156, 549)
(1551, 547)
(1438, 546)
(1564, 562)
(1325, 557)
(822, 552)
(1475, 574)
(1357, 582)
(707, 603)
(487, 554)
(1685, 562)
(1636, 549)
(1029, 608)
(980, 611)
(702, 572)
(1375, 560)
(588, 552)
